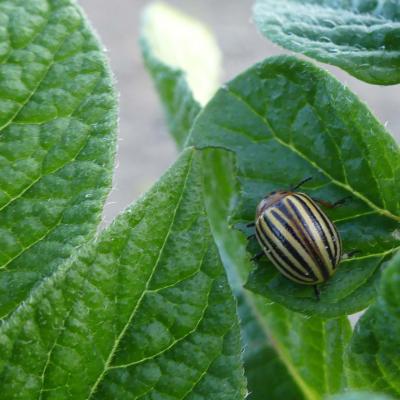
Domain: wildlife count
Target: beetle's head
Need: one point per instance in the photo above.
(269, 200)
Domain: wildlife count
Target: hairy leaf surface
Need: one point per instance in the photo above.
(359, 36)
(373, 354)
(57, 140)
(285, 120)
(144, 312)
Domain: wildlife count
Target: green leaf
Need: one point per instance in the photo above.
(174, 48)
(281, 359)
(285, 120)
(57, 140)
(359, 36)
(311, 348)
(360, 396)
(145, 311)
(373, 357)
(267, 376)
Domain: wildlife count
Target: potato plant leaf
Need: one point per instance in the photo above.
(184, 62)
(57, 140)
(285, 120)
(359, 36)
(281, 358)
(145, 311)
(373, 355)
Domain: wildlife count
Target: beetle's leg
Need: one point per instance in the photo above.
(257, 256)
(350, 254)
(336, 204)
(341, 201)
(293, 188)
(317, 292)
(250, 225)
(252, 236)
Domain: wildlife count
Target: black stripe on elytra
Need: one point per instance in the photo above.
(307, 243)
(288, 246)
(285, 267)
(265, 240)
(317, 258)
(337, 245)
(288, 228)
(287, 271)
(318, 226)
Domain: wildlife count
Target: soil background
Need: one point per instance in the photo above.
(145, 149)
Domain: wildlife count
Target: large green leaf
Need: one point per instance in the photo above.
(57, 140)
(184, 62)
(360, 36)
(143, 312)
(280, 345)
(373, 354)
(285, 120)
(271, 332)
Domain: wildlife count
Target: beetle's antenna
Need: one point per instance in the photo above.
(293, 188)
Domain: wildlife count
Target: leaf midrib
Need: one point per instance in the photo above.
(125, 328)
(372, 205)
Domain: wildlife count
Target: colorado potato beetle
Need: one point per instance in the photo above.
(298, 237)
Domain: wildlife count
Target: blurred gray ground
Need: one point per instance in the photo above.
(145, 150)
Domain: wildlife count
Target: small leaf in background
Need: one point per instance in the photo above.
(58, 121)
(184, 61)
(286, 120)
(145, 311)
(361, 37)
(373, 355)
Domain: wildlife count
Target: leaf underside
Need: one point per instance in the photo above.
(143, 312)
(57, 140)
(285, 120)
(359, 36)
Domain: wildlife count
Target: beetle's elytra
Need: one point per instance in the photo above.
(298, 237)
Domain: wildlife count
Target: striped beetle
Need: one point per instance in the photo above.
(298, 237)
